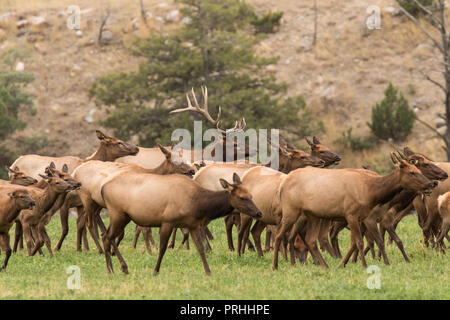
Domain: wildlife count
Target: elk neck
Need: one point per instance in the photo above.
(48, 199)
(162, 169)
(213, 204)
(13, 211)
(101, 154)
(383, 189)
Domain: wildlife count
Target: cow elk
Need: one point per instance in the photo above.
(340, 194)
(168, 202)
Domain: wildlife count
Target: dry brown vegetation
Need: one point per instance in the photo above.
(342, 76)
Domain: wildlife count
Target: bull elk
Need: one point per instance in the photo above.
(340, 194)
(151, 157)
(168, 202)
(13, 200)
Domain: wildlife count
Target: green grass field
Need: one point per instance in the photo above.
(248, 277)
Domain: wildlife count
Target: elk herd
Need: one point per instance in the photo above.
(302, 206)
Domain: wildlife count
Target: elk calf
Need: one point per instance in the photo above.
(12, 201)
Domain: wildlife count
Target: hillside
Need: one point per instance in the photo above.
(342, 76)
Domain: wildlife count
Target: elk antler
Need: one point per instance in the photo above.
(239, 125)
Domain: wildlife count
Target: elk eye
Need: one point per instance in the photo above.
(412, 173)
(302, 157)
(322, 152)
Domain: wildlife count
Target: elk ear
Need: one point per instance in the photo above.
(52, 165)
(236, 179)
(12, 195)
(315, 140)
(9, 169)
(309, 142)
(226, 185)
(16, 168)
(44, 177)
(166, 152)
(407, 151)
(100, 135)
(65, 168)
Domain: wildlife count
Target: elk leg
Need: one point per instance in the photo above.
(5, 246)
(337, 227)
(38, 242)
(256, 231)
(185, 238)
(173, 239)
(46, 239)
(245, 225)
(204, 238)
(373, 234)
(137, 232)
(64, 217)
(286, 224)
(117, 224)
(356, 236)
(399, 243)
(229, 222)
(164, 234)
(18, 235)
(208, 233)
(294, 231)
(268, 238)
(93, 229)
(120, 238)
(195, 237)
(324, 241)
(312, 233)
(445, 227)
(146, 233)
(80, 229)
(85, 240)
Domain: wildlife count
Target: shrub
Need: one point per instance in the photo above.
(392, 118)
(412, 8)
(355, 143)
(267, 22)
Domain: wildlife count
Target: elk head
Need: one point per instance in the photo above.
(425, 165)
(177, 166)
(57, 184)
(22, 198)
(19, 178)
(292, 158)
(114, 148)
(323, 152)
(63, 174)
(227, 135)
(411, 178)
(241, 198)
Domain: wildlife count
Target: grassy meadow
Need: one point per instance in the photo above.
(248, 277)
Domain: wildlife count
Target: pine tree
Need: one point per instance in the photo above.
(392, 118)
